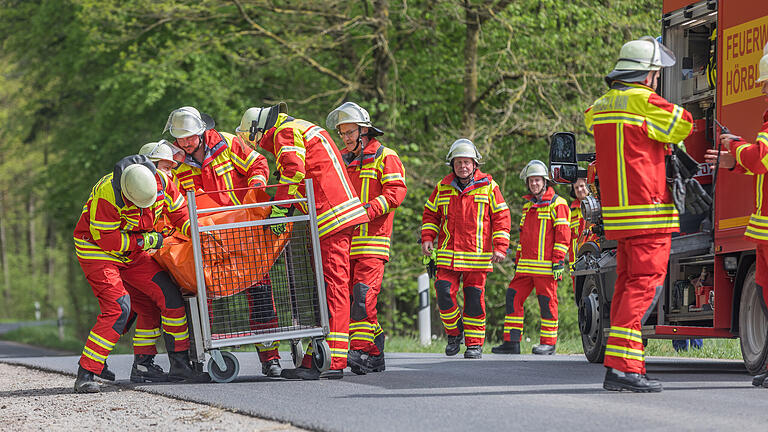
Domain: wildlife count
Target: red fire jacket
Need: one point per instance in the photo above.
(303, 149)
(632, 125)
(469, 224)
(751, 159)
(228, 164)
(380, 182)
(110, 225)
(577, 225)
(544, 234)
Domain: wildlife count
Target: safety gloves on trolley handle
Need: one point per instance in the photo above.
(558, 269)
(279, 212)
(150, 240)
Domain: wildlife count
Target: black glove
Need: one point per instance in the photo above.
(697, 200)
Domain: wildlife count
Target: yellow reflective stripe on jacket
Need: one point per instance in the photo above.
(375, 245)
(88, 251)
(650, 216)
(501, 234)
(392, 177)
(431, 227)
(535, 267)
(344, 213)
(561, 247)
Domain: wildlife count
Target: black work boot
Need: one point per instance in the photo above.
(271, 368)
(759, 380)
(473, 352)
(85, 382)
(376, 363)
(311, 374)
(508, 347)
(616, 380)
(145, 370)
(454, 345)
(357, 361)
(543, 349)
(182, 370)
(106, 373)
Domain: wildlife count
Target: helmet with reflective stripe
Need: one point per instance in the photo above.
(139, 185)
(535, 168)
(644, 54)
(157, 151)
(187, 121)
(463, 147)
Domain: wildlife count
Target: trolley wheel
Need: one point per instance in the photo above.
(233, 368)
(322, 355)
(297, 352)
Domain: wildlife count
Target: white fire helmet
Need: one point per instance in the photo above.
(187, 121)
(157, 151)
(463, 147)
(534, 168)
(644, 54)
(139, 185)
(258, 120)
(763, 67)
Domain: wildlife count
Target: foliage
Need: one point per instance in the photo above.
(85, 82)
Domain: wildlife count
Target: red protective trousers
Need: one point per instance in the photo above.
(472, 318)
(140, 285)
(641, 266)
(517, 292)
(365, 277)
(335, 249)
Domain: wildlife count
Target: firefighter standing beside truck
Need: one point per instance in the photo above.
(632, 125)
(467, 220)
(378, 176)
(751, 159)
(540, 261)
(219, 161)
(579, 191)
(111, 238)
(305, 150)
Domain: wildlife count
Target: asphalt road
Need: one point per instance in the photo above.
(430, 392)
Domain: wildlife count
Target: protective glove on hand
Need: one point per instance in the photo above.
(558, 269)
(278, 212)
(151, 240)
(430, 262)
(697, 200)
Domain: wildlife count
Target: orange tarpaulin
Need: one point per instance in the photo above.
(234, 258)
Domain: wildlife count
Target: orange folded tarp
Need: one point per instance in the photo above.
(234, 258)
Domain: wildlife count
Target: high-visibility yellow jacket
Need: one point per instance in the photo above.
(228, 164)
(110, 225)
(632, 125)
(305, 150)
(753, 159)
(544, 234)
(469, 224)
(380, 183)
(577, 225)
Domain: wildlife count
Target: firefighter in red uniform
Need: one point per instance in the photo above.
(540, 261)
(111, 239)
(632, 126)
(219, 161)
(751, 159)
(579, 191)
(379, 179)
(304, 150)
(467, 220)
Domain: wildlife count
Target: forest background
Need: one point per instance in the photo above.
(86, 82)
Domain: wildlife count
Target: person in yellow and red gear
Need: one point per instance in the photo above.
(632, 126)
(579, 192)
(219, 161)
(540, 261)
(305, 150)
(161, 153)
(467, 220)
(378, 177)
(111, 239)
(751, 159)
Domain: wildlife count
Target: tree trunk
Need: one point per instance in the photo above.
(32, 234)
(4, 259)
(381, 54)
(470, 70)
(51, 263)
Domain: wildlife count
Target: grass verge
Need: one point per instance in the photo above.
(48, 337)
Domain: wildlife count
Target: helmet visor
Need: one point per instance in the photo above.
(662, 56)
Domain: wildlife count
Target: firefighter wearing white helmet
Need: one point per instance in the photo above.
(378, 176)
(112, 238)
(161, 153)
(632, 125)
(255, 121)
(465, 227)
(539, 261)
(749, 158)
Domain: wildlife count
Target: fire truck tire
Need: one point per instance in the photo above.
(753, 326)
(590, 321)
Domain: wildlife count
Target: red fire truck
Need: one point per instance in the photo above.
(710, 290)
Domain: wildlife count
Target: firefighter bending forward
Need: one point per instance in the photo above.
(751, 159)
(219, 161)
(305, 150)
(470, 220)
(379, 178)
(631, 125)
(539, 261)
(111, 238)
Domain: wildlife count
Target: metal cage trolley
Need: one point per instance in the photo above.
(256, 286)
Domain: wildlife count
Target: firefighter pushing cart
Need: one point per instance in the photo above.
(254, 286)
